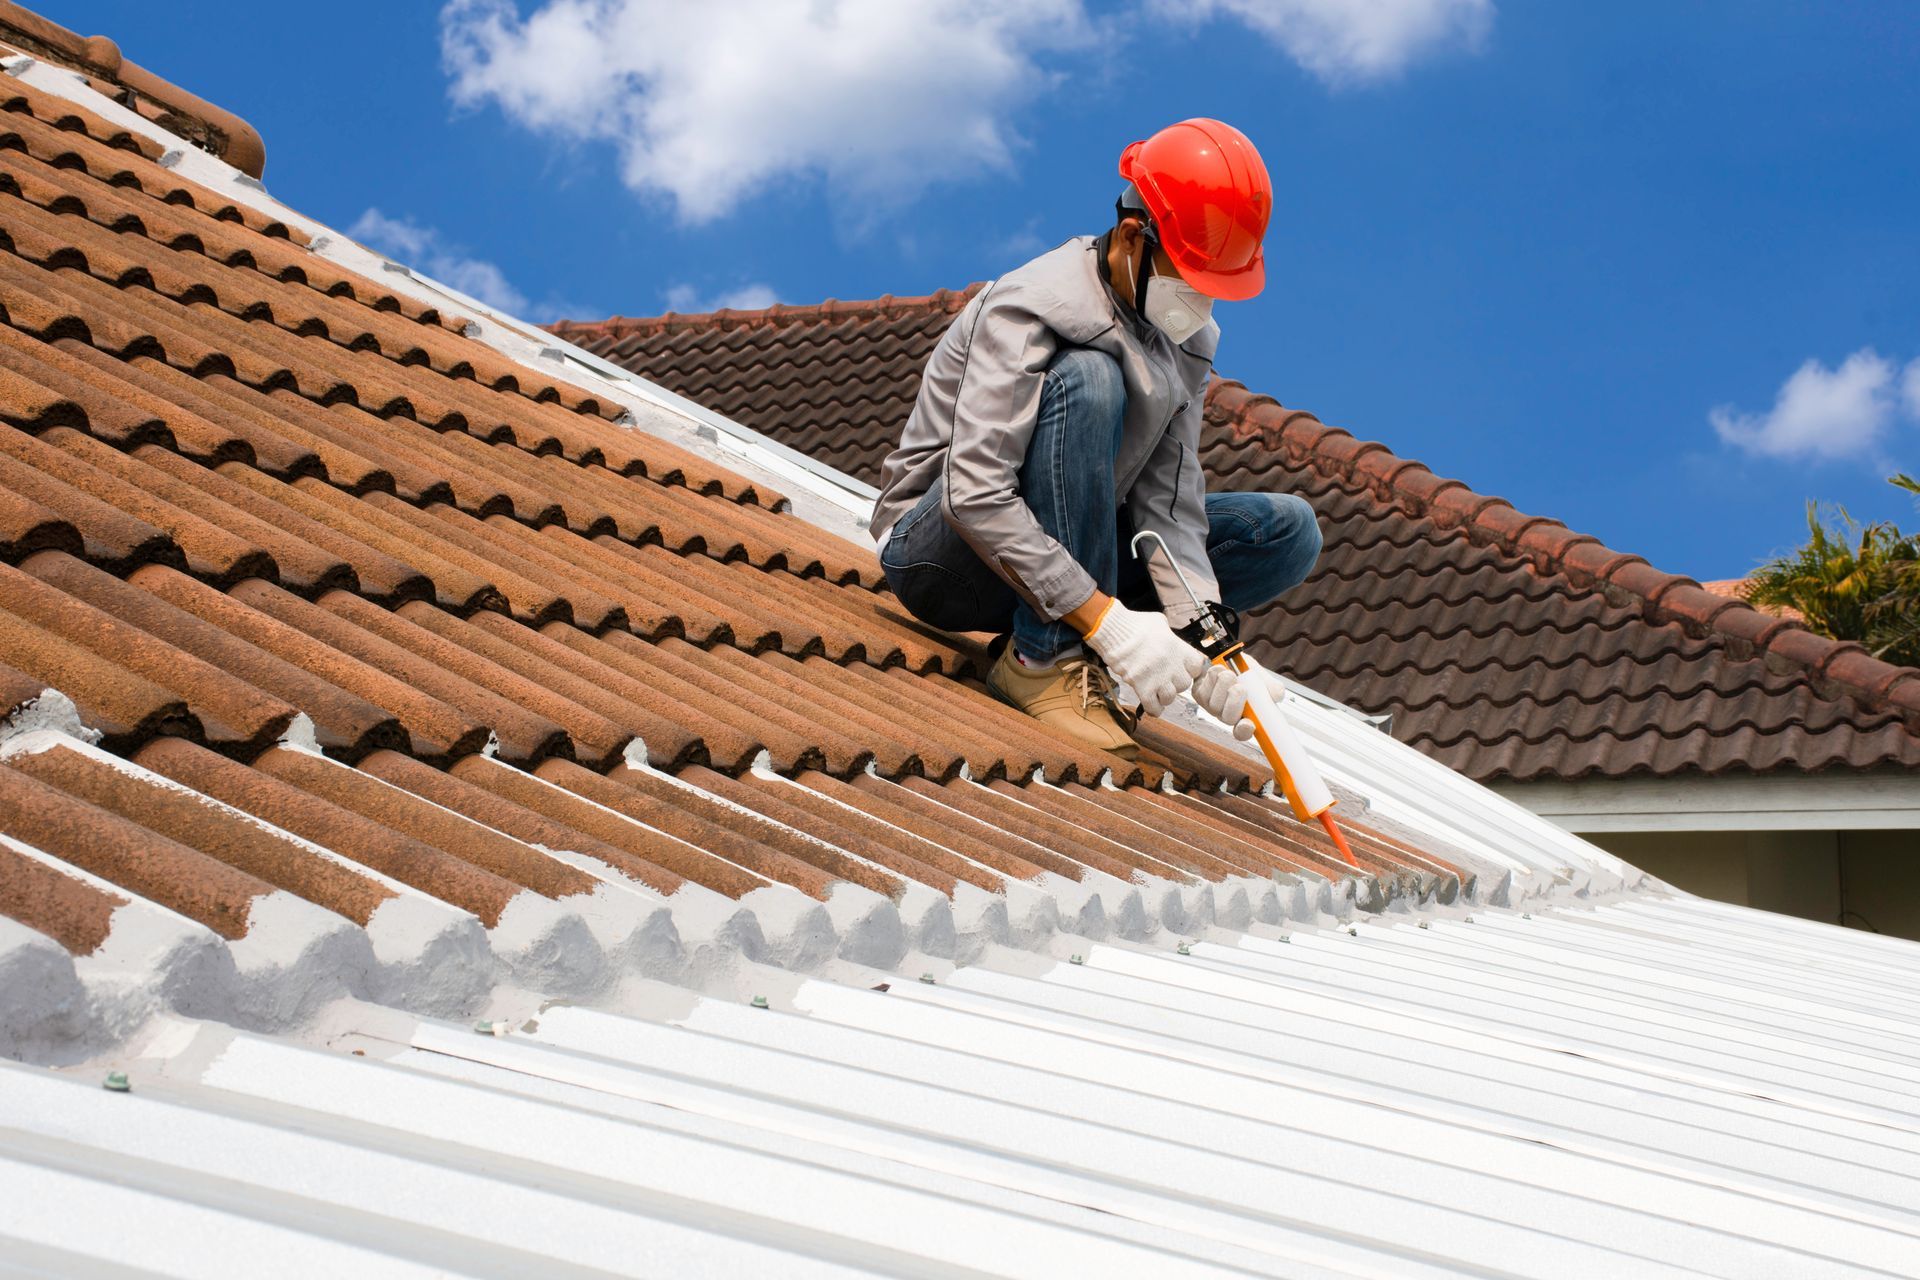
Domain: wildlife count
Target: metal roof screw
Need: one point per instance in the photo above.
(116, 1082)
(1353, 931)
(1076, 958)
(927, 978)
(1185, 950)
(1468, 920)
(1426, 924)
(1285, 937)
(759, 1002)
(1526, 915)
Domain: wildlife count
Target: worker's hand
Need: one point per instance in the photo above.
(1141, 651)
(1218, 690)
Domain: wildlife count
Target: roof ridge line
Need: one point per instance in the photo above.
(181, 113)
(1550, 546)
(779, 313)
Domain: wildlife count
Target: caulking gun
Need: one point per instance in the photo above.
(1299, 778)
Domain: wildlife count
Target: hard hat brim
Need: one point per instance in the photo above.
(1227, 286)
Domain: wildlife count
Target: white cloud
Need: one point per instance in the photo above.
(426, 250)
(709, 103)
(1826, 414)
(688, 300)
(407, 241)
(1351, 41)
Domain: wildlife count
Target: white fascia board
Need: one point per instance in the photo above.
(838, 502)
(1831, 801)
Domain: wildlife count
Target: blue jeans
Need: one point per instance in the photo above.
(1259, 544)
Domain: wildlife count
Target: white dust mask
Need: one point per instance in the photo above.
(1175, 307)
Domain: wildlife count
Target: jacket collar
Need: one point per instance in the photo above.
(1202, 343)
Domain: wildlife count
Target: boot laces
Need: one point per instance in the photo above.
(1092, 678)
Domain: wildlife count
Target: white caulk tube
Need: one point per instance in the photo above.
(1300, 778)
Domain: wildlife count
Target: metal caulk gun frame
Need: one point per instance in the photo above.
(1299, 778)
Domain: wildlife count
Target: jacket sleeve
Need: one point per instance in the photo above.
(995, 409)
(1170, 499)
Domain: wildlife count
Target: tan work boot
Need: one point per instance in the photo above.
(1071, 695)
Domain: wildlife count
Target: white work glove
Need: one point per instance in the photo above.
(1218, 691)
(1141, 651)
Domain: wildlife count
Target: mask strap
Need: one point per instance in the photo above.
(1148, 242)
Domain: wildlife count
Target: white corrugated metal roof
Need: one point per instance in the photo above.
(1654, 1086)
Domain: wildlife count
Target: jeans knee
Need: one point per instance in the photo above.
(1093, 386)
(1263, 544)
(1297, 525)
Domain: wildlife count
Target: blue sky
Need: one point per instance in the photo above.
(1650, 268)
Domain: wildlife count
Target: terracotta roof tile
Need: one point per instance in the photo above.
(221, 833)
(636, 841)
(502, 815)
(73, 912)
(989, 843)
(758, 827)
(855, 830)
(130, 855)
(744, 850)
(228, 636)
(1502, 643)
(316, 818)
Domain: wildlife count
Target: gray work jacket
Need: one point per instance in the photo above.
(979, 400)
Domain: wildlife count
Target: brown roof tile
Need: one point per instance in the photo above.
(232, 638)
(453, 792)
(132, 856)
(852, 829)
(220, 833)
(292, 808)
(635, 841)
(759, 827)
(1505, 645)
(743, 849)
(73, 912)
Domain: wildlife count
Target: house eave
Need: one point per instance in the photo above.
(1878, 800)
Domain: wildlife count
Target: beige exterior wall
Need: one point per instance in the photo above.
(1864, 879)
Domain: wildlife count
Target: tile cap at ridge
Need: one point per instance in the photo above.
(213, 129)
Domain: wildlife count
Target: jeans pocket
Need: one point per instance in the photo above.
(936, 595)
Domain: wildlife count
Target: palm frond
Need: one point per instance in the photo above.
(1851, 581)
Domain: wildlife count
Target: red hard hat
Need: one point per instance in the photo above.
(1210, 198)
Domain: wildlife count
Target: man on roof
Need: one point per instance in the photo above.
(1059, 416)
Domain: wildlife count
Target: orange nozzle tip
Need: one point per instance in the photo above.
(1334, 834)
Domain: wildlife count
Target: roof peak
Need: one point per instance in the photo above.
(166, 104)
